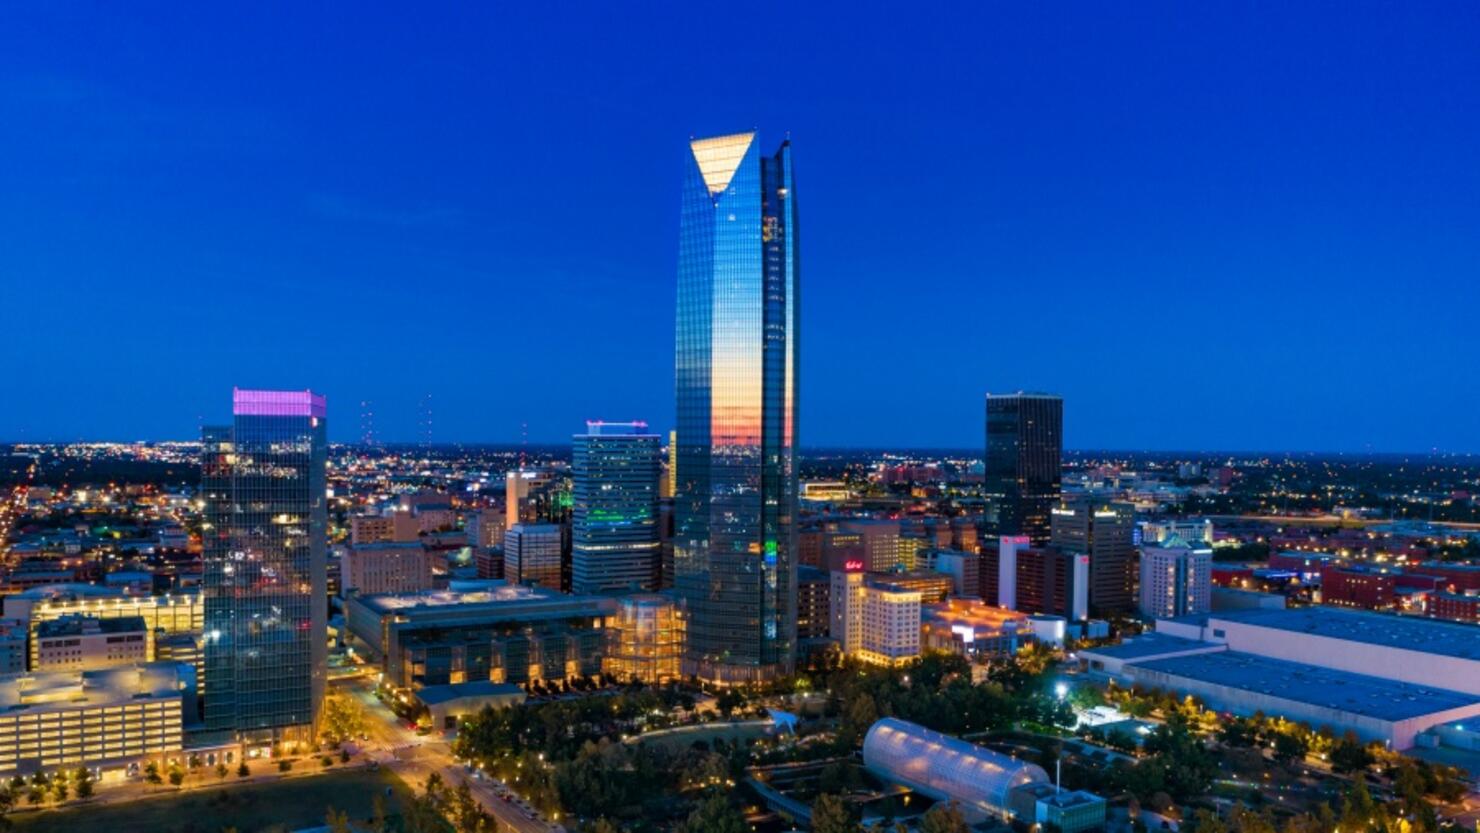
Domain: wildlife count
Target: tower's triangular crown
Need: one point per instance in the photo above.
(719, 157)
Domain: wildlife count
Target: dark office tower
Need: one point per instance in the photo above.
(1025, 434)
(736, 379)
(1104, 531)
(266, 602)
(615, 514)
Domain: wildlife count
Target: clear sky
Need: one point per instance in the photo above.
(1207, 225)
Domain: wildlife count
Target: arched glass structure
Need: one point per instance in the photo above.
(946, 768)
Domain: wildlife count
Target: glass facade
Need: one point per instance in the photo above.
(1024, 445)
(615, 544)
(265, 594)
(736, 382)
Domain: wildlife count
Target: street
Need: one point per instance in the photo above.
(415, 757)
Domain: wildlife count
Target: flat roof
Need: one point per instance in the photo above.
(74, 624)
(1151, 644)
(1429, 636)
(433, 695)
(1309, 684)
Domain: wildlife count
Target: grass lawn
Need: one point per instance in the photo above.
(272, 806)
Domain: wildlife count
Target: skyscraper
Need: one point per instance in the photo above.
(1104, 531)
(736, 386)
(615, 516)
(266, 603)
(1176, 579)
(532, 555)
(1024, 445)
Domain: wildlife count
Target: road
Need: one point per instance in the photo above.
(415, 757)
(11, 508)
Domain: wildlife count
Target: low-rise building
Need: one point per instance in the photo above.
(514, 634)
(386, 567)
(108, 718)
(973, 629)
(87, 643)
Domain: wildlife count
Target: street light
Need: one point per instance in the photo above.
(1062, 690)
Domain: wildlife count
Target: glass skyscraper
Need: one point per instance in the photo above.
(1025, 444)
(266, 603)
(615, 545)
(736, 377)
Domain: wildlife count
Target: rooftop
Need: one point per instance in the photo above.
(52, 690)
(435, 694)
(1300, 683)
(1149, 645)
(76, 625)
(1451, 639)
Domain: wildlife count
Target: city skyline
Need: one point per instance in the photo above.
(1293, 263)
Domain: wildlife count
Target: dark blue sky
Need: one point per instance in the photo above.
(1219, 226)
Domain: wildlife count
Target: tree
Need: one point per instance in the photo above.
(336, 820)
(467, 815)
(1357, 808)
(221, 770)
(378, 823)
(151, 773)
(59, 788)
(83, 777)
(177, 776)
(728, 701)
(343, 718)
(1349, 754)
(944, 818)
(422, 816)
(284, 765)
(1289, 747)
(831, 814)
(242, 771)
(714, 815)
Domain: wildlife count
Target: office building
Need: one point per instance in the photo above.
(506, 634)
(1106, 533)
(932, 586)
(845, 608)
(13, 639)
(485, 528)
(736, 389)
(1024, 449)
(386, 567)
(180, 612)
(881, 544)
(105, 719)
(647, 639)
(814, 588)
(614, 527)
(532, 555)
(87, 643)
(265, 584)
(1038, 579)
(523, 490)
(1176, 580)
(374, 529)
(963, 568)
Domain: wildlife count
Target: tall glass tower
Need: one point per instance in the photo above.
(266, 603)
(735, 501)
(614, 528)
(1025, 444)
